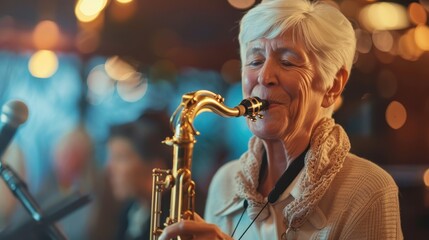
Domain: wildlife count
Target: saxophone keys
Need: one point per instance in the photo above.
(169, 141)
(252, 117)
(168, 182)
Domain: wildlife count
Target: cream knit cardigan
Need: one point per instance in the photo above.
(361, 203)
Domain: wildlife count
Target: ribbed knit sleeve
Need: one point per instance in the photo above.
(375, 207)
(379, 219)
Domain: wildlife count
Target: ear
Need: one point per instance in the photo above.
(336, 89)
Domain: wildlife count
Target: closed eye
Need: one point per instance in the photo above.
(287, 63)
(255, 63)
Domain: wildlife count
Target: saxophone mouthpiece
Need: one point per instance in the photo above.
(253, 106)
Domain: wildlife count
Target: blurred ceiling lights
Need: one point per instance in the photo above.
(43, 64)
(426, 178)
(241, 4)
(46, 35)
(417, 13)
(119, 69)
(88, 10)
(384, 16)
(396, 115)
(124, 1)
(99, 84)
(133, 89)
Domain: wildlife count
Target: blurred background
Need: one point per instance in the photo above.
(83, 66)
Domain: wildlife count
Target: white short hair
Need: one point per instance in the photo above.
(322, 28)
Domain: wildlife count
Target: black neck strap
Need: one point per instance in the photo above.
(284, 181)
(287, 177)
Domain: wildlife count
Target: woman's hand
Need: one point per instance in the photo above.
(196, 229)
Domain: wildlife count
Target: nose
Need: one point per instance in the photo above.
(267, 74)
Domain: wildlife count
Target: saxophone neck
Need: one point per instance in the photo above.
(194, 103)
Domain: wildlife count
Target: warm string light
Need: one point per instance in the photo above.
(46, 35)
(382, 19)
(426, 178)
(384, 16)
(131, 85)
(43, 64)
(88, 10)
(396, 115)
(383, 40)
(241, 4)
(421, 37)
(118, 69)
(133, 89)
(124, 1)
(417, 13)
(99, 82)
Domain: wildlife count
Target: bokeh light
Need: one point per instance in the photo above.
(383, 40)
(396, 115)
(384, 16)
(364, 42)
(118, 69)
(46, 35)
(231, 71)
(133, 89)
(426, 178)
(387, 84)
(88, 10)
(241, 4)
(99, 82)
(417, 13)
(124, 1)
(421, 37)
(43, 64)
(407, 47)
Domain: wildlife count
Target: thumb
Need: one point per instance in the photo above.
(198, 218)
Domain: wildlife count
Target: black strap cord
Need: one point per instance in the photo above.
(245, 205)
(284, 181)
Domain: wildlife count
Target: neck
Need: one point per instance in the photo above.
(280, 155)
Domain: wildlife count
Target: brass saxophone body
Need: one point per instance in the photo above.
(178, 179)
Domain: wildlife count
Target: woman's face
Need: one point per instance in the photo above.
(282, 72)
(129, 176)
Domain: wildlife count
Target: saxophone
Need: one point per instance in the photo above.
(178, 180)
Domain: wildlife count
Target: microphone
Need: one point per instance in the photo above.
(13, 114)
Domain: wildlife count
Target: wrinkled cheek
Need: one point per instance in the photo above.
(245, 88)
(247, 83)
(298, 107)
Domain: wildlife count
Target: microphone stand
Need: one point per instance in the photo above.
(20, 190)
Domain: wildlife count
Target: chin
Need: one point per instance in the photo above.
(264, 130)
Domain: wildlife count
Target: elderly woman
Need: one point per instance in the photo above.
(297, 54)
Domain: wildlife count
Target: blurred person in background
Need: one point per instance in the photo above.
(135, 149)
(73, 174)
(74, 164)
